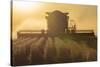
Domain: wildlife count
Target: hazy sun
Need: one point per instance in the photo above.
(25, 6)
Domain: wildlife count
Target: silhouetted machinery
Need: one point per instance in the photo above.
(57, 22)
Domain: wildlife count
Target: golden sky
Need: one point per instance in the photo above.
(28, 15)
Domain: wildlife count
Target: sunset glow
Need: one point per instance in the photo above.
(31, 15)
